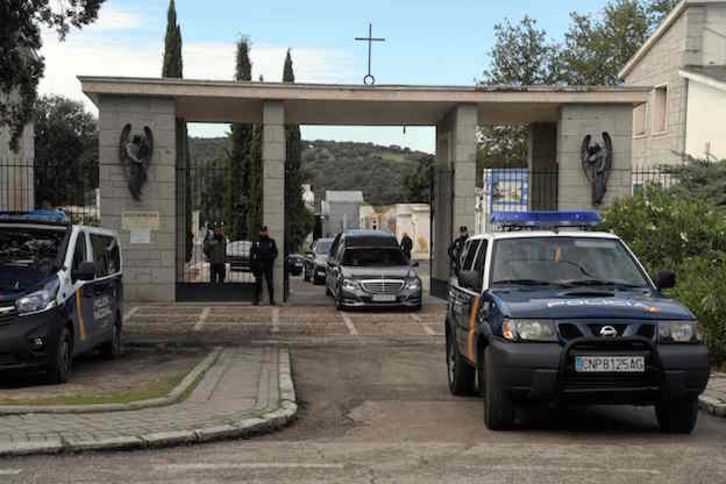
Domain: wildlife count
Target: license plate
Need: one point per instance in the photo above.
(610, 364)
(384, 298)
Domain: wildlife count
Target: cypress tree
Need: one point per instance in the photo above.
(298, 221)
(238, 203)
(173, 67)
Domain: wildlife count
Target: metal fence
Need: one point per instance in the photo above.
(26, 185)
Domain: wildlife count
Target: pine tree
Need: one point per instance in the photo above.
(298, 220)
(173, 68)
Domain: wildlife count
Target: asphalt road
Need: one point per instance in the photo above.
(378, 412)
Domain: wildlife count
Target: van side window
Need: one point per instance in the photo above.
(105, 255)
(468, 260)
(79, 253)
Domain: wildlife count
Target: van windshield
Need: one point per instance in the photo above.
(28, 255)
(374, 256)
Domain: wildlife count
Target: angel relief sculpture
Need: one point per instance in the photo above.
(135, 152)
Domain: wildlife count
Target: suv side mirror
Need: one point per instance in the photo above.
(665, 280)
(86, 271)
(470, 280)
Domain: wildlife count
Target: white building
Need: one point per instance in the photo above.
(685, 62)
(340, 211)
(413, 219)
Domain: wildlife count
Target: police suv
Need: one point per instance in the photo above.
(60, 292)
(568, 316)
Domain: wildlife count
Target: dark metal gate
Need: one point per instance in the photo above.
(209, 196)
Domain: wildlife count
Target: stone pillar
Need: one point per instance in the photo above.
(542, 164)
(576, 121)
(149, 266)
(273, 183)
(455, 186)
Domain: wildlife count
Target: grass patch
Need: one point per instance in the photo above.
(144, 391)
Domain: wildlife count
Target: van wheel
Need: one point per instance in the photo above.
(61, 365)
(460, 374)
(677, 417)
(498, 406)
(112, 349)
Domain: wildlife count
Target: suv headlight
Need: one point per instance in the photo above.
(529, 330)
(677, 331)
(350, 285)
(413, 284)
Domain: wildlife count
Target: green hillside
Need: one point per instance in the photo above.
(375, 170)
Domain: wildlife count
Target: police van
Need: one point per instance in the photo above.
(547, 311)
(60, 292)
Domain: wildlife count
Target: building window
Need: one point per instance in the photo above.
(639, 120)
(660, 110)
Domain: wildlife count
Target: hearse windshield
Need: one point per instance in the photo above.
(374, 256)
(28, 255)
(323, 247)
(565, 261)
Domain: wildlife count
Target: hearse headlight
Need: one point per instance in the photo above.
(677, 331)
(350, 285)
(413, 284)
(529, 330)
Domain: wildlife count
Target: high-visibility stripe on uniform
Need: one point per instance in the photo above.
(79, 312)
(472, 328)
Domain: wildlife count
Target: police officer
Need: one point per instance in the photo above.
(456, 247)
(406, 245)
(264, 253)
(215, 247)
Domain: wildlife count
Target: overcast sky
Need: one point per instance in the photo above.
(442, 42)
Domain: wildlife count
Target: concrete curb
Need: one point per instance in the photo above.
(171, 398)
(714, 406)
(265, 423)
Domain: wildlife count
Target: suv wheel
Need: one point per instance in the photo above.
(61, 365)
(498, 407)
(677, 417)
(460, 374)
(112, 349)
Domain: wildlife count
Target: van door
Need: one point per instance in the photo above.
(83, 297)
(466, 298)
(104, 286)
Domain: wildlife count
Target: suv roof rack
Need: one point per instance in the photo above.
(543, 220)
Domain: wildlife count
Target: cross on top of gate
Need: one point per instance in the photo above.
(369, 80)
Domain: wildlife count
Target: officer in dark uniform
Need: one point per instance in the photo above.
(263, 254)
(406, 245)
(456, 247)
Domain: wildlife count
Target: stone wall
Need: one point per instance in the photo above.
(455, 181)
(577, 121)
(149, 268)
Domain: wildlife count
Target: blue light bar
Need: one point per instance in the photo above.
(544, 219)
(56, 216)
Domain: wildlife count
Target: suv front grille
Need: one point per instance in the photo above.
(382, 286)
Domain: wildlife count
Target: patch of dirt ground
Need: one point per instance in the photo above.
(138, 374)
